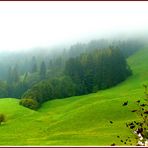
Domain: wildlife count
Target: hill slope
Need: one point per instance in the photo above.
(80, 120)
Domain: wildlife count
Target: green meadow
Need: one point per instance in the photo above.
(79, 120)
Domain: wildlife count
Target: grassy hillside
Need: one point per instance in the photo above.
(80, 120)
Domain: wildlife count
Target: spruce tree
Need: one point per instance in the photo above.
(43, 70)
(33, 65)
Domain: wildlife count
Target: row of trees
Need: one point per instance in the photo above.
(30, 61)
(85, 67)
(17, 84)
(97, 70)
(89, 72)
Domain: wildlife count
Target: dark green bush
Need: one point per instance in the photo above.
(49, 89)
(29, 103)
(2, 118)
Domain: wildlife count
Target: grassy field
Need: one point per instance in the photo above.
(80, 120)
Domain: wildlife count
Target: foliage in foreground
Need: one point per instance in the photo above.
(140, 127)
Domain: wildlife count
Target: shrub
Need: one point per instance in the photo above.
(29, 103)
(40, 92)
(2, 118)
(51, 88)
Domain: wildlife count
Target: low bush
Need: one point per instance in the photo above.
(2, 118)
(29, 103)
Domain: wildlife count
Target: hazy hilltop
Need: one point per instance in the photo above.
(23, 57)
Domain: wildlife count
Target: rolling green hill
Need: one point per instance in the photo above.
(79, 120)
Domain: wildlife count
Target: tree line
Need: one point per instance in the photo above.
(97, 70)
(87, 73)
(82, 69)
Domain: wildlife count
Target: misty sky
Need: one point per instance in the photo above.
(43, 24)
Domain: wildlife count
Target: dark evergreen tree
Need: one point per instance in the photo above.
(3, 89)
(15, 74)
(33, 65)
(9, 75)
(43, 70)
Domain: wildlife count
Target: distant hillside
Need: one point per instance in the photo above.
(81, 120)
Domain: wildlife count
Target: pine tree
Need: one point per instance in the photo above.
(9, 77)
(33, 65)
(43, 70)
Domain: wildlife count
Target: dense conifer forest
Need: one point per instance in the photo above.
(82, 69)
